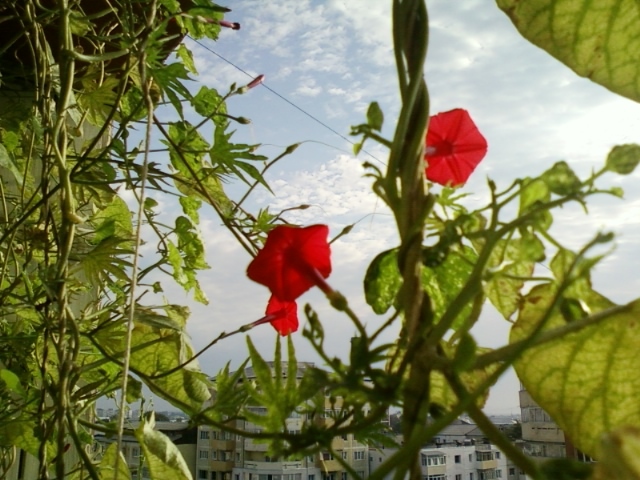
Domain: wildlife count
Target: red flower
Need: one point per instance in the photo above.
(292, 261)
(282, 315)
(455, 147)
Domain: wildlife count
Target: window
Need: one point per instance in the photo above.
(512, 471)
(457, 459)
(203, 454)
(327, 456)
(214, 455)
(135, 452)
(213, 475)
(358, 455)
(471, 474)
(437, 477)
(433, 460)
(204, 434)
(471, 459)
(237, 456)
(344, 475)
(497, 454)
(203, 474)
(498, 473)
(237, 476)
(311, 477)
(458, 476)
(345, 455)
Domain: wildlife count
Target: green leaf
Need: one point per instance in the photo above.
(209, 103)
(375, 117)
(12, 381)
(511, 262)
(623, 159)
(184, 54)
(533, 195)
(162, 457)
(382, 281)
(587, 381)
(444, 282)
(107, 467)
(561, 179)
(598, 40)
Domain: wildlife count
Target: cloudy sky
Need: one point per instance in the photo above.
(331, 58)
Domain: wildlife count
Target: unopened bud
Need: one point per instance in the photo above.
(231, 25)
(255, 82)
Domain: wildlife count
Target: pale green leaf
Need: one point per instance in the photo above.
(108, 469)
(382, 281)
(587, 381)
(598, 40)
(162, 457)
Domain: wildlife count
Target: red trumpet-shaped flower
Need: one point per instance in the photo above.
(282, 315)
(455, 147)
(292, 261)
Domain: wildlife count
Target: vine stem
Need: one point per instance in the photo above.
(146, 85)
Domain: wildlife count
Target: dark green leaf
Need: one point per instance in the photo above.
(623, 159)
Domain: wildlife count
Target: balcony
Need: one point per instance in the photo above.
(274, 466)
(226, 445)
(252, 446)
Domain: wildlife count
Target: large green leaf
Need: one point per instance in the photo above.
(597, 39)
(112, 469)
(588, 380)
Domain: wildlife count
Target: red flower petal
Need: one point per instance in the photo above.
(289, 259)
(455, 147)
(285, 313)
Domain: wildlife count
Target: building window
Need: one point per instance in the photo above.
(345, 455)
(498, 473)
(327, 456)
(471, 474)
(214, 455)
(237, 456)
(135, 452)
(512, 471)
(433, 460)
(311, 477)
(237, 476)
(204, 434)
(213, 475)
(203, 454)
(457, 459)
(358, 455)
(484, 456)
(203, 474)
(437, 477)
(344, 475)
(471, 458)
(497, 455)
(458, 476)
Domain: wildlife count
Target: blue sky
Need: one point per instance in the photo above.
(331, 58)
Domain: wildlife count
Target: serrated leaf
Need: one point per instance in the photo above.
(587, 381)
(184, 54)
(190, 207)
(162, 457)
(382, 281)
(209, 103)
(598, 40)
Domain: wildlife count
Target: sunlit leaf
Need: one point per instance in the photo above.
(587, 381)
(382, 281)
(598, 40)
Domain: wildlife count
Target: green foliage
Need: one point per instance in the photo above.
(597, 40)
(162, 457)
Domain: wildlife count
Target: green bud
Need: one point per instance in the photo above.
(623, 159)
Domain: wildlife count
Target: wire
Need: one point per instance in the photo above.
(315, 119)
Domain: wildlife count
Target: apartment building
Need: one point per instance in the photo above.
(223, 456)
(456, 462)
